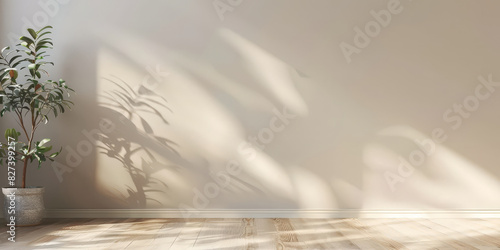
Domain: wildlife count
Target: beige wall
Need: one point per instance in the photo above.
(349, 132)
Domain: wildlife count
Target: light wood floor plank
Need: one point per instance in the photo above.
(250, 233)
(353, 235)
(223, 234)
(168, 232)
(488, 234)
(264, 234)
(146, 233)
(318, 234)
(189, 234)
(416, 236)
(373, 235)
(451, 239)
(468, 232)
(44, 230)
(380, 227)
(287, 236)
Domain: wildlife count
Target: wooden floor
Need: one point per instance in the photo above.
(258, 234)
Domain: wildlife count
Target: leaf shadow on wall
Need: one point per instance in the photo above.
(130, 144)
(202, 140)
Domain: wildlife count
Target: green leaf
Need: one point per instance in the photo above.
(27, 40)
(61, 108)
(46, 118)
(31, 151)
(45, 39)
(44, 71)
(60, 95)
(11, 132)
(56, 153)
(44, 42)
(4, 49)
(38, 159)
(45, 33)
(44, 149)
(43, 63)
(12, 73)
(44, 28)
(4, 73)
(39, 47)
(13, 59)
(18, 62)
(32, 33)
(42, 142)
(7, 134)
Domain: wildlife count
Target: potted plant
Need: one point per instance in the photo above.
(31, 98)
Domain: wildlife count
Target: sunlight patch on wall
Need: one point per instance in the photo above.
(259, 66)
(443, 179)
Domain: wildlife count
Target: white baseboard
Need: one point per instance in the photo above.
(256, 213)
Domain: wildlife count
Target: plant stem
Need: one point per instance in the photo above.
(30, 142)
(24, 172)
(30, 137)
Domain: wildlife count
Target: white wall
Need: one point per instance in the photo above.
(352, 124)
